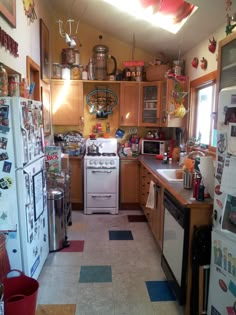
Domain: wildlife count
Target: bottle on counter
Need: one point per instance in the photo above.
(3, 81)
(91, 70)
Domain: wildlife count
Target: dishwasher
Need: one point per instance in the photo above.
(174, 258)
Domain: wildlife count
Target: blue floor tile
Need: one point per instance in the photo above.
(120, 235)
(159, 291)
(90, 274)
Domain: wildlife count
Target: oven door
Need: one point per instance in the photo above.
(175, 245)
(102, 180)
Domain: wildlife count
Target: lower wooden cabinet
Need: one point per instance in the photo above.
(76, 195)
(154, 216)
(129, 181)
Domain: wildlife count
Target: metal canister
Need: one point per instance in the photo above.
(68, 56)
(56, 71)
(13, 85)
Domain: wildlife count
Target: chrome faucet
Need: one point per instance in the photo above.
(194, 154)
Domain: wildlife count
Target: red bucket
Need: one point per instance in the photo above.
(20, 294)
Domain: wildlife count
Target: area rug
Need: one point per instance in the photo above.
(75, 246)
(56, 309)
(120, 235)
(137, 218)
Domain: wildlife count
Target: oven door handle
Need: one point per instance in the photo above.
(107, 172)
(103, 196)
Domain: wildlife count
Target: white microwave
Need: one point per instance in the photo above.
(153, 146)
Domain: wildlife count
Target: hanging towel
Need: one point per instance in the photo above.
(151, 201)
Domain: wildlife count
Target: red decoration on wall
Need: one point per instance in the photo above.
(9, 43)
(212, 45)
(195, 62)
(203, 63)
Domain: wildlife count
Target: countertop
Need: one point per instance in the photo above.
(184, 196)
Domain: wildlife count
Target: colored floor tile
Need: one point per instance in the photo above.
(75, 246)
(137, 218)
(120, 235)
(50, 309)
(96, 274)
(159, 291)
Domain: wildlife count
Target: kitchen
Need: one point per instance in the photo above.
(86, 51)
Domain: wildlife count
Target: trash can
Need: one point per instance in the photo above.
(56, 218)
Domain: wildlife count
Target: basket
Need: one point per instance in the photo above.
(20, 294)
(156, 72)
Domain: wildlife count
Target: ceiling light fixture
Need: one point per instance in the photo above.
(167, 14)
(67, 31)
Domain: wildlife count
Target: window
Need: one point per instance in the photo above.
(202, 125)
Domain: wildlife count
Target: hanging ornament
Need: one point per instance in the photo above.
(29, 9)
(195, 62)
(203, 63)
(212, 45)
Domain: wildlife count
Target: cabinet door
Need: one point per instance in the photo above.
(227, 61)
(67, 102)
(168, 88)
(76, 195)
(129, 103)
(150, 104)
(129, 181)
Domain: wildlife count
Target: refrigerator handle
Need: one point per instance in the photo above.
(28, 190)
(25, 144)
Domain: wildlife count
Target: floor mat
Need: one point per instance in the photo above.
(159, 291)
(75, 246)
(96, 274)
(137, 218)
(55, 309)
(120, 235)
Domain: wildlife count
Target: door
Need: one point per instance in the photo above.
(33, 217)
(67, 102)
(129, 103)
(150, 104)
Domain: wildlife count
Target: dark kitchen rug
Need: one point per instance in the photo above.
(159, 291)
(137, 218)
(75, 246)
(120, 235)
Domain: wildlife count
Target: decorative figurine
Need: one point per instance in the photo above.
(203, 63)
(195, 62)
(212, 45)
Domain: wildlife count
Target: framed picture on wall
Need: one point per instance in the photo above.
(44, 51)
(45, 97)
(8, 11)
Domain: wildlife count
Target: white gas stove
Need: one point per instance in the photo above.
(101, 176)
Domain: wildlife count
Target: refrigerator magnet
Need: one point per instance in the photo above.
(7, 167)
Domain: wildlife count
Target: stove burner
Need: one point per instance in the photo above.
(108, 154)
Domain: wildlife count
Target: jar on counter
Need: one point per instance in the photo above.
(56, 71)
(3, 81)
(65, 72)
(75, 73)
(13, 85)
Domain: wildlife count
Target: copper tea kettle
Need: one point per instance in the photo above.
(100, 58)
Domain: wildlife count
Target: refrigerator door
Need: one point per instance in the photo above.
(27, 131)
(222, 290)
(33, 218)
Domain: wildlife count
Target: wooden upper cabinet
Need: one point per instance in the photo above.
(150, 104)
(227, 62)
(129, 103)
(167, 103)
(67, 102)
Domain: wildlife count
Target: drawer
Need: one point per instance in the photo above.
(101, 200)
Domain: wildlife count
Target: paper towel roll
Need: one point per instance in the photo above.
(207, 170)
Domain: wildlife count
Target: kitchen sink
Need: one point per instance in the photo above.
(171, 175)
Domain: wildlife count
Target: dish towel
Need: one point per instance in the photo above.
(151, 201)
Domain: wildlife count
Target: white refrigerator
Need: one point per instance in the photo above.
(23, 194)
(222, 286)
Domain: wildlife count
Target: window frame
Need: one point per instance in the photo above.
(202, 81)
